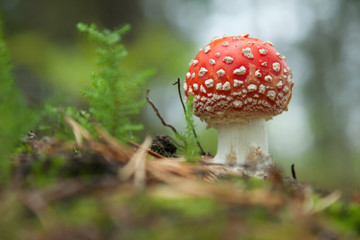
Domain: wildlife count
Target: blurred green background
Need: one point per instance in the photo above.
(319, 133)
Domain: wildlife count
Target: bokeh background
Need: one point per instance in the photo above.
(320, 38)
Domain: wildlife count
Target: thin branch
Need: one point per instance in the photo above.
(293, 171)
(158, 113)
(202, 152)
(179, 91)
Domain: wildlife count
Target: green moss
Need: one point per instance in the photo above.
(175, 218)
(45, 171)
(186, 208)
(345, 217)
(16, 118)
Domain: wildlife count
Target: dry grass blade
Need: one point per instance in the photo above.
(218, 170)
(136, 165)
(79, 131)
(151, 152)
(323, 203)
(112, 148)
(227, 193)
(120, 152)
(175, 166)
(210, 177)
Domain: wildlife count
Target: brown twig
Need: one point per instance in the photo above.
(293, 171)
(179, 91)
(158, 113)
(202, 152)
(151, 152)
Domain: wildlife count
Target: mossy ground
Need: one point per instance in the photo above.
(93, 189)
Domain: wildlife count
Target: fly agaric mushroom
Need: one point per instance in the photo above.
(238, 83)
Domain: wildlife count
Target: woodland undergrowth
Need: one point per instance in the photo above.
(91, 178)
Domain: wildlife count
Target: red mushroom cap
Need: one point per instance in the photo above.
(238, 77)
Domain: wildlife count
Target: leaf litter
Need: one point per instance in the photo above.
(121, 176)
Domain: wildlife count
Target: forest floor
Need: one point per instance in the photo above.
(102, 189)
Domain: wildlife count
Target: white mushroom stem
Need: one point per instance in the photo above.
(240, 144)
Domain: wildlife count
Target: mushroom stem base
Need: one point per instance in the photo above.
(244, 145)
